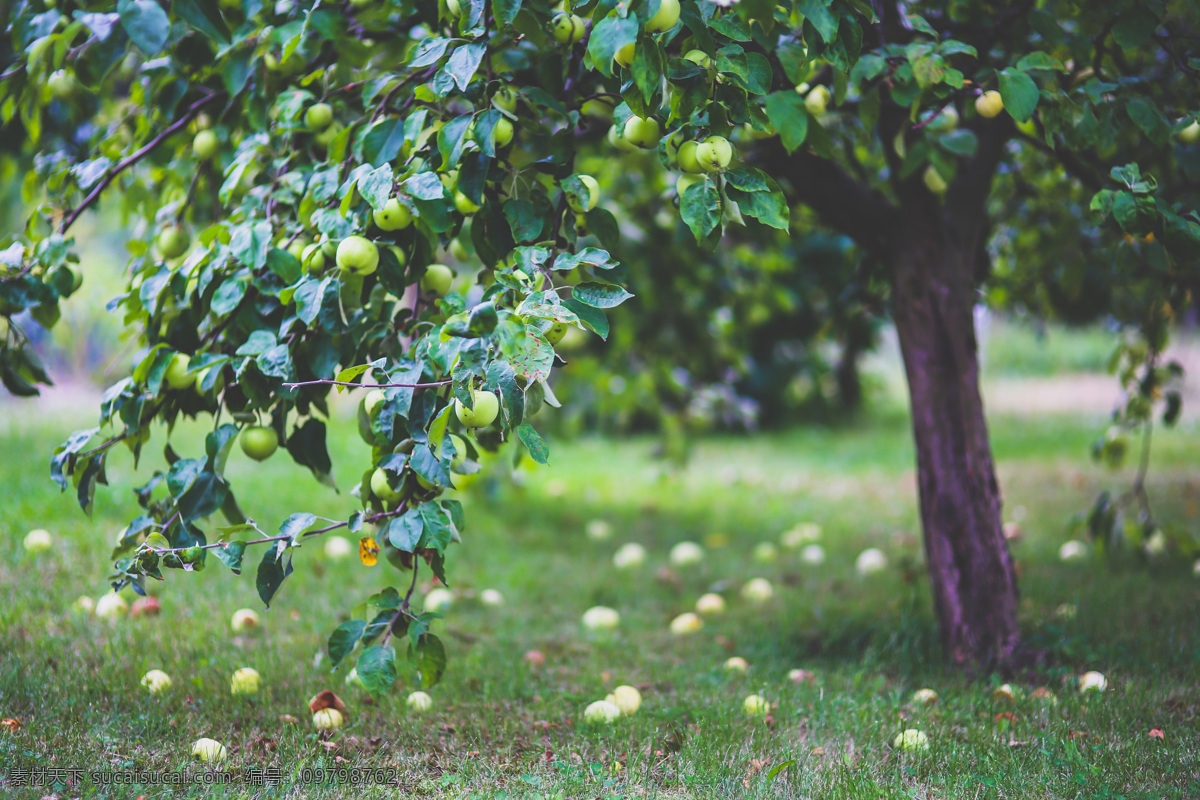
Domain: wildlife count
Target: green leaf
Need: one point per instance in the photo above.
(786, 111)
(592, 257)
(404, 532)
(307, 448)
(376, 186)
(647, 67)
(230, 554)
(608, 36)
(428, 52)
(376, 668)
(383, 142)
(463, 62)
(700, 208)
(427, 465)
(275, 566)
(929, 70)
(295, 525)
(438, 531)
(600, 295)
(343, 639)
(961, 142)
(1135, 26)
(536, 445)
(428, 657)
(205, 17)
(505, 11)
(146, 24)
(769, 208)
(1039, 60)
(524, 219)
(531, 356)
(1020, 94)
(1150, 120)
(590, 316)
(819, 14)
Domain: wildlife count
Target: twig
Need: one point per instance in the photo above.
(369, 386)
(371, 518)
(192, 111)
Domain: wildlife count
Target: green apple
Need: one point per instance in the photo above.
(597, 107)
(601, 618)
(714, 153)
(357, 255)
(566, 28)
(328, 719)
(911, 739)
(38, 541)
(642, 132)
(989, 104)
(244, 682)
(685, 181)
(454, 8)
(505, 99)
(394, 216)
(487, 407)
(177, 375)
(934, 182)
(326, 137)
(709, 604)
(624, 55)
(665, 18)
(244, 619)
(686, 623)
(437, 279)
(296, 248)
(593, 196)
(460, 451)
(817, 101)
(62, 85)
(111, 606)
(502, 133)
(755, 705)
(312, 259)
(627, 698)
(259, 442)
(1190, 134)
(205, 145)
(687, 158)
(173, 241)
(944, 121)
(618, 141)
(699, 58)
(373, 400)
(464, 204)
(156, 681)
(601, 712)
(318, 117)
(557, 331)
(381, 487)
(208, 750)
(419, 702)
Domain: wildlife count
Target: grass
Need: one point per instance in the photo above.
(1014, 347)
(501, 729)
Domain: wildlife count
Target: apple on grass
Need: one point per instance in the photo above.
(736, 664)
(244, 620)
(601, 712)
(419, 702)
(758, 591)
(813, 555)
(911, 739)
(156, 681)
(870, 561)
(84, 604)
(629, 555)
(1092, 682)
(686, 554)
(491, 597)
(208, 750)
(259, 442)
(598, 530)
(925, 697)
(686, 623)
(111, 606)
(337, 548)
(38, 541)
(244, 682)
(755, 705)
(328, 719)
(439, 599)
(626, 698)
(601, 618)
(487, 408)
(709, 604)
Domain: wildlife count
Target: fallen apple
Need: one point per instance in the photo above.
(1073, 550)
(419, 702)
(755, 705)
(1092, 681)
(911, 739)
(156, 681)
(598, 530)
(602, 712)
(686, 554)
(244, 619)
(758, 591)
(111, 606)
(870, 561)
(709, 604)
(328, 719)
(800, 535)
(244, 682)
(629, 556)
(438, 600)
(686, 623)
(626, 698)
(491, 597)
(208, 750)
(924, 697)
(38, 541)
(337, 548)
(601, 618)
(813, 555)
(736, 664)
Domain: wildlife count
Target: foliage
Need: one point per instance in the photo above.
(253, 146)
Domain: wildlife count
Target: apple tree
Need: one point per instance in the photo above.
(294, 173)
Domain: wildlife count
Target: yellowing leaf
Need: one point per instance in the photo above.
(368, 550)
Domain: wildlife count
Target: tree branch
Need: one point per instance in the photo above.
(369, 386)
(191, 113)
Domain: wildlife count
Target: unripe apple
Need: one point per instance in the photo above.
(84, 604)
(259, 442)
(437, 279)
(156, 681)
(813, 555)
(1190, 134)
(318, 117)
(205, 145)
(598, 530)
(244, 682)
(465, 205)
(642, 131)
(688, 159)
(758, 591)
(665, 18)
(601, 712)
(38, 541)
(593, 196)
(505, 99)
(357, 255)
(765, 552)
(312, 259)
(243, 620)
(925, 697)
(870, 561)
(944, 121)
(601, 618)
(62, 85)
(989, 104)
(911, 739)
(737, 664)
(487, 408)
(326, 137)
(111, 606)
(686, 554)
(934, 182)
(394, 216)
(699, 58)
(438, 599)
(710, 604)
(566, 28)
(629, 555)
(176, 375)
(1092, 682)
(755, 705)
(173, 241)
(419, 702)
(618, 141)
(328, 719)
(337, 548)
(491, 597)
(502, 133)
(208, 750)
(1073, 550)
(1004, 694)
(627, 698)
(817, 100)
(381, 487)
(624, 55)
(556, 333)
(686, 623)
(454, 7)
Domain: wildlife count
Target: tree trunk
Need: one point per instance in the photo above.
(971, 571)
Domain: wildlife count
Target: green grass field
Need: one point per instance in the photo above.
(499, 728)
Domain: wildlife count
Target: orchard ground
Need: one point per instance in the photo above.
(500, 728)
